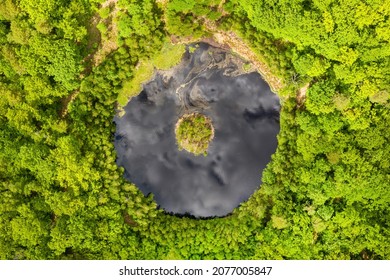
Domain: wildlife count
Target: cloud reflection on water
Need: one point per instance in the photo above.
(245, 115)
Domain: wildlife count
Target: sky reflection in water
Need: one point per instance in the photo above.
(245, 115)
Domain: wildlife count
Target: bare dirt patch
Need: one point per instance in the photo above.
(301, 95)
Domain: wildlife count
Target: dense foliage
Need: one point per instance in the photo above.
(325, 194)
(194, 133)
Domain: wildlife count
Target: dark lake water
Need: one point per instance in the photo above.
(245, 115)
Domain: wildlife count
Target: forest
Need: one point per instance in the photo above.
(67, 68)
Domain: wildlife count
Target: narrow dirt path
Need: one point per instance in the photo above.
(105, 47)
(110, 44)
(65, 103)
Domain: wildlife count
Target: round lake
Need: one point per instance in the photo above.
(245, 116)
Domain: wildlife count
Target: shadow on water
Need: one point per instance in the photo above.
(245, 115)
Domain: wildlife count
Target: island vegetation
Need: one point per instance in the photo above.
(63, 65)
(194, 132)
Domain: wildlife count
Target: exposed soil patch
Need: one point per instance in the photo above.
(301, 96)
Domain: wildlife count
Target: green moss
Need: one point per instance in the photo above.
(246, 67)
(133, 87)
(194, 132)
(169, 56)
(191, 49)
